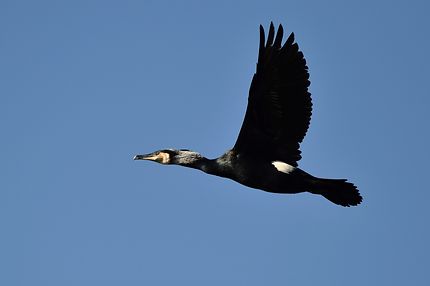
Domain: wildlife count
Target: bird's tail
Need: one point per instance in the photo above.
(338, 191)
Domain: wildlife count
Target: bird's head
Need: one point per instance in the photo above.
(171, 156)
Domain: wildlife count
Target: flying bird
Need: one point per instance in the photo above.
(277, 117)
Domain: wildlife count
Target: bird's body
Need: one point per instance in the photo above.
(278, 115)
(257, 173)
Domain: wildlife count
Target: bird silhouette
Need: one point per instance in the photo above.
(277, 117)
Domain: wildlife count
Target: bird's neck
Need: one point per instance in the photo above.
(210, 166)
(191, 159)
(195, 162)
(221, 166)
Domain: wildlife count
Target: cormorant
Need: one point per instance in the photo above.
(266, 152)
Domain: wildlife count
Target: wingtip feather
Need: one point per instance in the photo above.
(271, 35)
(279, 35)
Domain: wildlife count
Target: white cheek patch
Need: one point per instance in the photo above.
(283, 167)
(165, 158)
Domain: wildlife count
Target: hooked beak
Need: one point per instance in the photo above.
(145, 157)
(159, 157)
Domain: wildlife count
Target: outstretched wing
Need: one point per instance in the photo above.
(279, 104)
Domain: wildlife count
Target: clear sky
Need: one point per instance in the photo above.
(85, 85)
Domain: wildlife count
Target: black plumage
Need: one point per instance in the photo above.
(278, 115)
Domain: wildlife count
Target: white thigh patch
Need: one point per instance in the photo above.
(283, 167)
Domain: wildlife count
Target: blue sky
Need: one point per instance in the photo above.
(85, 85)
